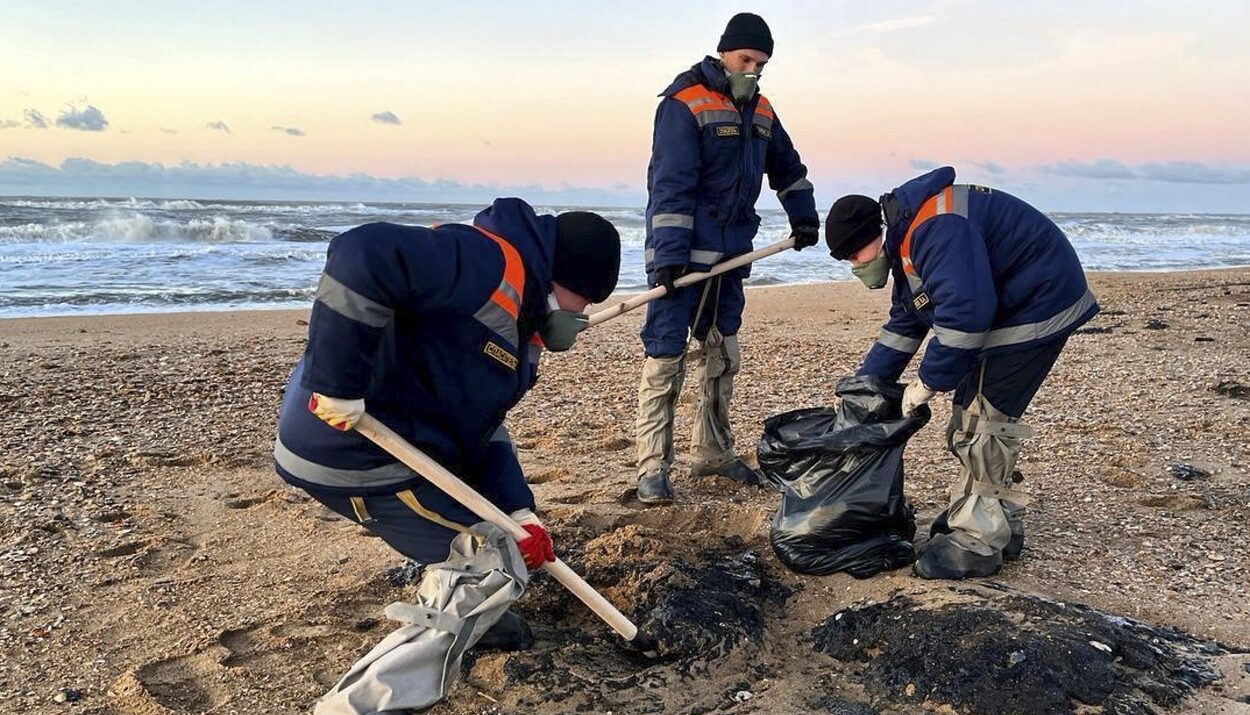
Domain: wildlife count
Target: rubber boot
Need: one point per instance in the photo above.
(1015, 519)
(658, 391)
(654, 489)
(735, 469)
(948, 556)
(510, 633)
(716, 364)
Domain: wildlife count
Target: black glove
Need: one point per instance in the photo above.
(806, 232)
(665, 277)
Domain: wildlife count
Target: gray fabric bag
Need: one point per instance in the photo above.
(457, 601)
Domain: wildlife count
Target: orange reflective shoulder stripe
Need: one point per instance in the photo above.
(765, 107)
(698, 99)
(940, 203)
(927, 211)
(513, 277)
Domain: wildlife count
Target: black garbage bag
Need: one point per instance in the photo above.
(840, 472)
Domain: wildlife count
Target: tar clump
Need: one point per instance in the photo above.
(1017, 655)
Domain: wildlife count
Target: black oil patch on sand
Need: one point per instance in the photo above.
(1016, 655)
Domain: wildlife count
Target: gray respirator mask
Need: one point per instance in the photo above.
(875, 273)
(561, 327)
(743, 85)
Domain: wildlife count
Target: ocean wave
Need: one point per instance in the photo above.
(12, 305)
(133, 227)
(97, 204)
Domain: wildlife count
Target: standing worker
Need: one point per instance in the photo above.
(1001, 289)
(715, 137)
(438, 332)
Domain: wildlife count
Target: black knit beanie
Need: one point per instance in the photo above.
(853, 222)
(588, 255)
(746, 31)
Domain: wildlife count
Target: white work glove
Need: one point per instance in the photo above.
(338, 413)
(525, 516)
(916, 394)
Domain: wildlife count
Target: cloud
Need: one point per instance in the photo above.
(85, 177)
(923, 164)
(386, 118)
(218, 126)
(1100, 169)
(989, 167)
(35, 119)
(1176, 172)
(901, 23)
(90, 119)
(9, 123)
(1190, 172)
(292, 131)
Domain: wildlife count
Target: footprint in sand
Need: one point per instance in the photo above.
(187, 684)
(547, 475)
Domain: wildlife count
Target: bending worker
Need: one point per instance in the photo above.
(1001, 289)
(715, 137)
(438, 332)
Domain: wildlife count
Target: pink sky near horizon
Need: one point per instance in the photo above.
(948, 81)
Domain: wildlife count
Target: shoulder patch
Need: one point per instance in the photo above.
(980, 189)
(503, 357)
(763, 132)
(727, 130)
(921, 301)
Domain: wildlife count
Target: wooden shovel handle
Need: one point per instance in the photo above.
(689, 279)
(400, 449)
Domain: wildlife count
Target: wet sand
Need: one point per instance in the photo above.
(150, 561)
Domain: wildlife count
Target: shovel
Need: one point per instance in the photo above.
(689, 279)
(399, 448)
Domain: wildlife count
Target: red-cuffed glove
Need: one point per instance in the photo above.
(339, 413)
(536, 548)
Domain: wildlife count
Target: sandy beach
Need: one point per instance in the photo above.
(151, 562)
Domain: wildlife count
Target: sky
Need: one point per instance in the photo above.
(1078, 106)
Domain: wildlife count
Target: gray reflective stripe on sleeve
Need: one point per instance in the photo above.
(672, 221)
(350, 304)
(952, 338)
(692, 103)
(800, 185)
(901, 343)
(506, 288)
(914, 282)
(308, 471)
(1053, 325)
(696, 256)
(535, 353)
(762, 120)
(705, 257)
(501, 436)
(497, 319)
(959, 200)
(712, 116)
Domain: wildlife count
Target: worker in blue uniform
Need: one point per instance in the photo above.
(1000, 288)
(438, 331)
(715, 138)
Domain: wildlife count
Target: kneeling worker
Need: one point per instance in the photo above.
(438, 332)
(1001, 288)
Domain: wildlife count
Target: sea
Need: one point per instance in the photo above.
(75, 256)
